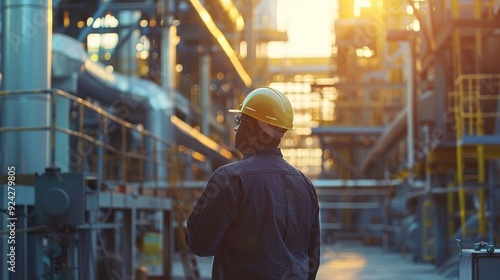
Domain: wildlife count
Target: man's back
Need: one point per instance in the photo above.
(259, 216)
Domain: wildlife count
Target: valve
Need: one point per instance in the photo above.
(484, 245)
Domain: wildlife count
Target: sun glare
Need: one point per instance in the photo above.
(309, 27)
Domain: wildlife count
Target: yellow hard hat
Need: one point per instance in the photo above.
(268, 105)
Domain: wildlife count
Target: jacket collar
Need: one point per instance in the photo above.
(265, 151)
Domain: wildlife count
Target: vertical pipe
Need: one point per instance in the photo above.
(141, 161)
(250, 37)
(53, 123)
(26, 55)
(167, 46)
(4, 245)
(61, 140)
(124, 155)
(72, 249)
(409, 108)
(127, 53)
(80, 159)
(158, 119)
(129, 242)
(491, 202)
(155, 163)
(105, 141)
(427, 141)
(35, 257)
(100, 157)
(205, 91)
(88, 242)
(167, 243)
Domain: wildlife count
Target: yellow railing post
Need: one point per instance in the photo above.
(460, 161)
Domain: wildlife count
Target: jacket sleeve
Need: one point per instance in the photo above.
(212, 214)
(314, 245)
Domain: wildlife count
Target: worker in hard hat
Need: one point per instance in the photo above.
(258, 216)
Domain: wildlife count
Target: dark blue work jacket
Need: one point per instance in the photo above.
(260, 218)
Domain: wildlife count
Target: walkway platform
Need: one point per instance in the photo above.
(353, 261)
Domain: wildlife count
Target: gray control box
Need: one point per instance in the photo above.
(479, 265)
(60, 197)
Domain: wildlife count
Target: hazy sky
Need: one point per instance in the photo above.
(309, 25)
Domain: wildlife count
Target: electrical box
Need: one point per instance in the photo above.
(479, 265)
(60, 198)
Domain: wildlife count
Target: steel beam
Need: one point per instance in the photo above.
(222, 41)
(350, 205)
(335, 183)
(383, 142)
(443, 35)
(356, 130)
(377, 85)
(487, 140)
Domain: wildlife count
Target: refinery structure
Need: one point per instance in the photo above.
(113, 115)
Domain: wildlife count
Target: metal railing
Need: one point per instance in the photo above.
(113, 157)
(472, 108)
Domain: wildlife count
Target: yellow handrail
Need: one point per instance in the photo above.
(472, 89)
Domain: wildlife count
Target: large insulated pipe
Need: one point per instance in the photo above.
(127, 53)
(26, 46)
(158, 120)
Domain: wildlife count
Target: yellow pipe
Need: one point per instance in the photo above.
(455, 11)
(221, 39)
(461, 194)
(234, 15)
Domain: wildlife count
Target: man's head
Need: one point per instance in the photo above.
(265, 115)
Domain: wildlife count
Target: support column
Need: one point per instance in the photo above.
(168, 47)
(409, 65)
(127, 53)
(167, 243)
(440, 230)
(205, 78)
(491, 202)
(26, 47)
(250, 38)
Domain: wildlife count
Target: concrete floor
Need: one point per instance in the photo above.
(352, 261)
